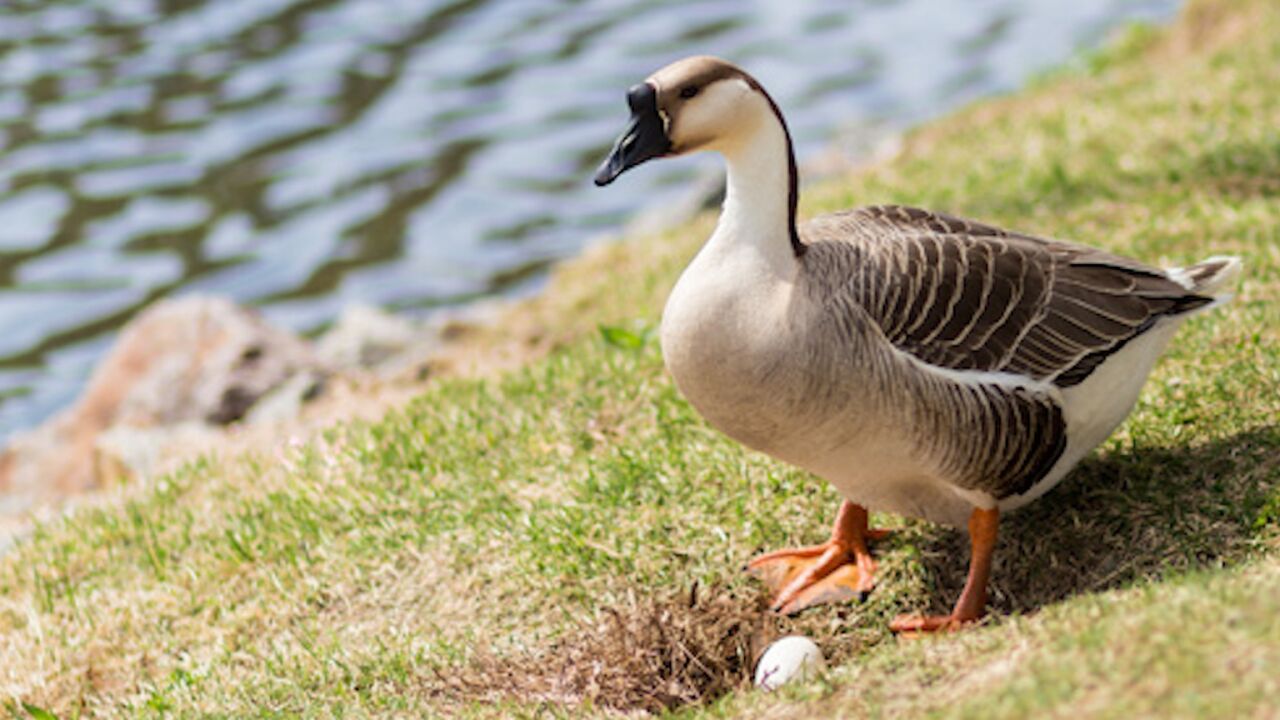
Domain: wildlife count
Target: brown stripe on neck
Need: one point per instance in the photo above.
(793, 177)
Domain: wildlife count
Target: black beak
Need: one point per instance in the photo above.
(644, 139)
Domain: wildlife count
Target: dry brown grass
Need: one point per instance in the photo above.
(649, 655)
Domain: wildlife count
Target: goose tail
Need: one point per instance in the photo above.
(1211, 278)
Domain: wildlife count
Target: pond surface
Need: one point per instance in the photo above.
(303, 155)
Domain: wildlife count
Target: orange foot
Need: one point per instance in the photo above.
(837, 570)
(973, 600)
(914, 625)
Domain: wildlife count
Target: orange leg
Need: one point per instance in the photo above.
(839, 569)
(973, 600)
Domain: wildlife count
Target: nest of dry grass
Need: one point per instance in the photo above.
(650, 655)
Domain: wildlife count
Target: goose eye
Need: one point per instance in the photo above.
(688, 91)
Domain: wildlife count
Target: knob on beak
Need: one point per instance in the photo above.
(644, 138)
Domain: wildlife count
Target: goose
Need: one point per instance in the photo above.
(923, 364)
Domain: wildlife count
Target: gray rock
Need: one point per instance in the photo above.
(190, 359)
(367, 338)
(285, 401)
(128, 454)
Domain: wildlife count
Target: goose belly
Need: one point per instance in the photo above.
(884, 472)
(878, 468)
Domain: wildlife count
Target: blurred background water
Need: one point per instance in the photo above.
(303, 155)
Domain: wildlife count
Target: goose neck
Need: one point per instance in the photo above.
(760, 194)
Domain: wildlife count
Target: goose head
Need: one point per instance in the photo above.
(698, 103)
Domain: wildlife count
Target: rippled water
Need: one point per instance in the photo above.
(301, 155)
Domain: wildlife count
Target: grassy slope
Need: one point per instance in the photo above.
(334, 577)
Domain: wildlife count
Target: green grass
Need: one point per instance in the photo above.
(498, 517)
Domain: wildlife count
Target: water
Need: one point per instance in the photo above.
(301, 155)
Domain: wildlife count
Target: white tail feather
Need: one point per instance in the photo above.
(1210, 276)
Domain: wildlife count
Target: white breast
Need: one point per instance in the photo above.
(723, 332)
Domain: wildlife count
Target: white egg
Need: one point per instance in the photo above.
(791, 657)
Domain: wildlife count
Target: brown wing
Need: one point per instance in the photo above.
(967, 296)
